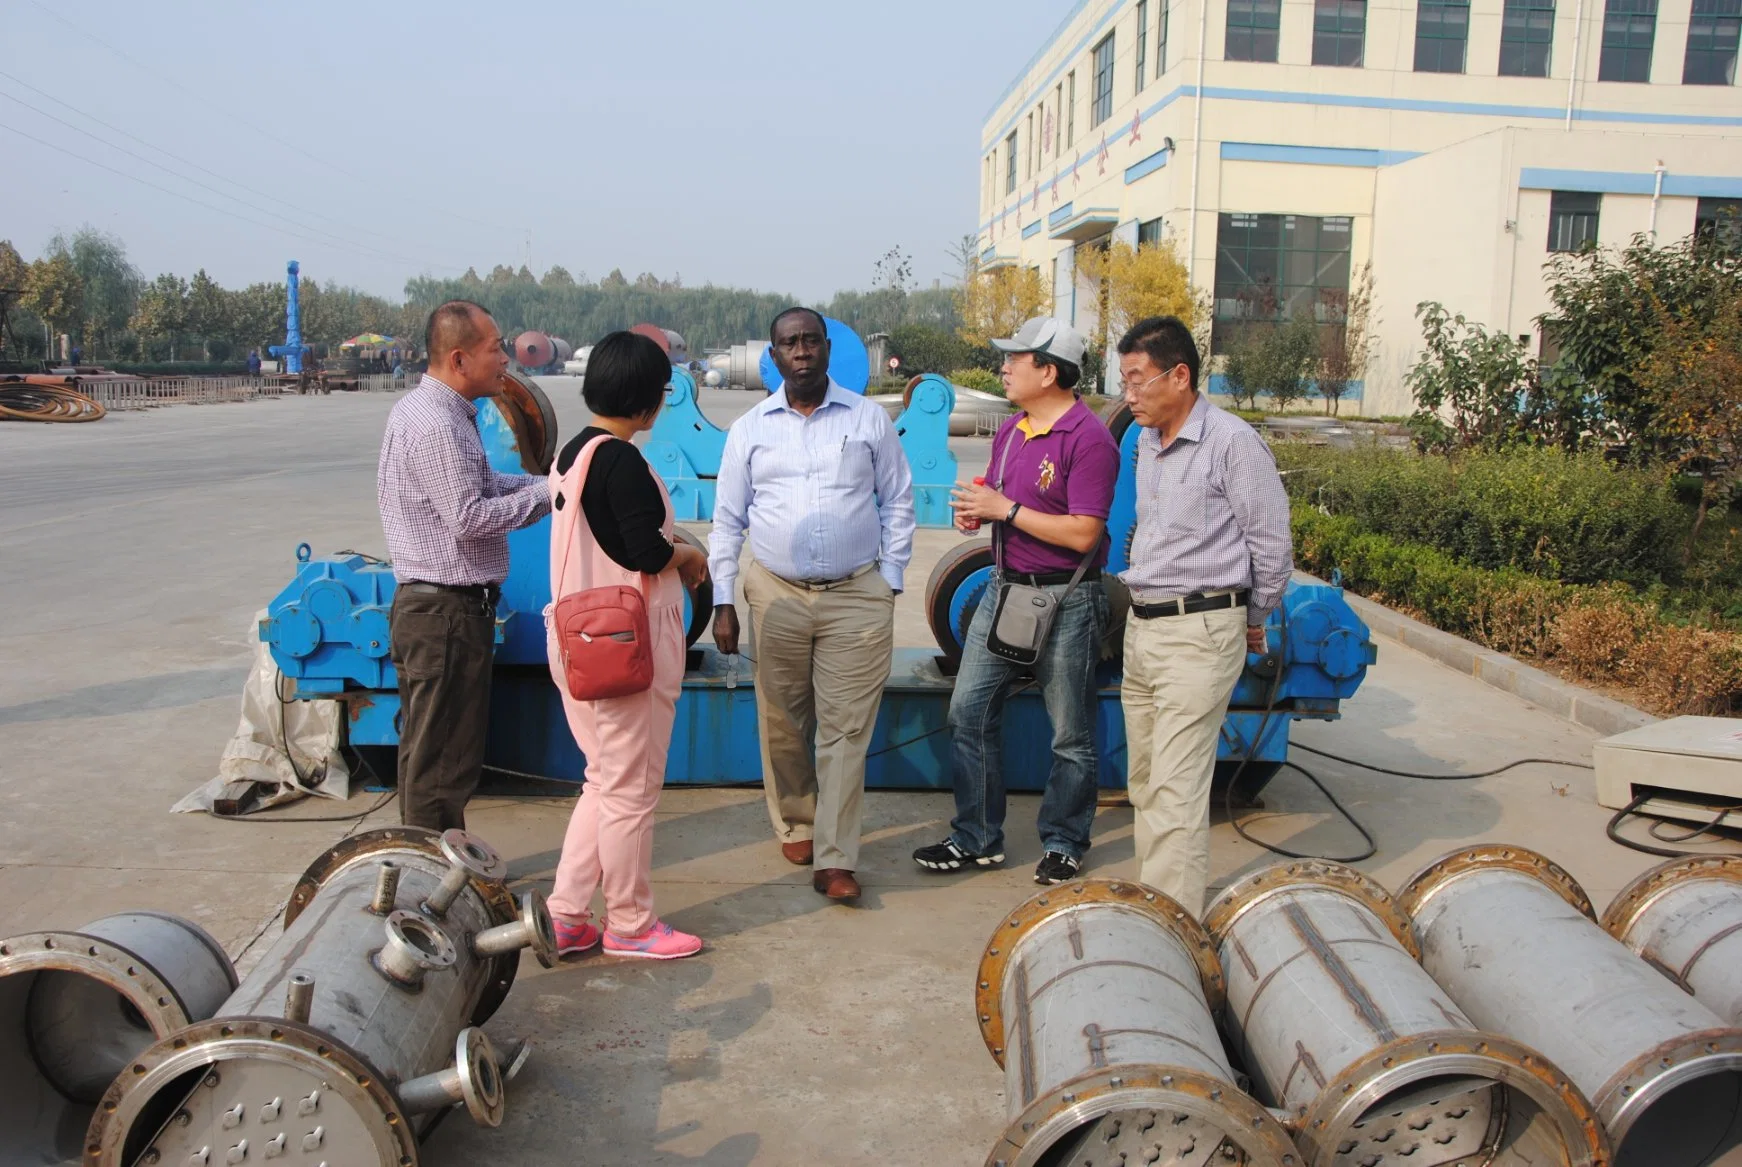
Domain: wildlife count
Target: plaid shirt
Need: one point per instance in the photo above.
(1212, 515)
(445, 512)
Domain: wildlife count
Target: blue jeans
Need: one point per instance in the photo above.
(1066, 676)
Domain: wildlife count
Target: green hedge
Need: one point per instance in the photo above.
(1569, 518)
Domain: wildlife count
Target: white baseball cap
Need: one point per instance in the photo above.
(1049, 336)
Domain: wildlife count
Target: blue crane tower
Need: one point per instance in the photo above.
(293, 347)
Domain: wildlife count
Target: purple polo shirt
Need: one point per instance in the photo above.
(1068, 469)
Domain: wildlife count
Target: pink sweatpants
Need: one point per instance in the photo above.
(609, 843)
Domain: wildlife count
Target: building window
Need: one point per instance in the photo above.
(1252, 30)
(1713, 33)
(1442, 27)
(1271, 268)
(1010, 163)
(1071, 110)
(1101, 108)
(1339, 31)
(1149, 232)
(1028, 154)
(1526, 33)
(1142, 41)
(1056, 131)
(1572, 219)
(1720, 221)
(1628, 29)
(1161, 40)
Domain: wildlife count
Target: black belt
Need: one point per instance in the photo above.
(1186, 605)
(1042, 579)
(484, 593)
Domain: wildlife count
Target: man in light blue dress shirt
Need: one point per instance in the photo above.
(817, 478)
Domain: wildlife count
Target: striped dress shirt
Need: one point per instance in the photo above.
(445, 512)
(820, 496)
(1212, 515)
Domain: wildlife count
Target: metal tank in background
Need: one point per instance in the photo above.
(1684, 918)
(741, 365)
(1096, 998)
(1513, 940)
(1340, 1027)
(357, 1025)
(76, 1007)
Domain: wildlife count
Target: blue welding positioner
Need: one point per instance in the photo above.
(924, 429)
(328, 628)
(684, 449)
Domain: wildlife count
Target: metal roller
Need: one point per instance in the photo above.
(76, 1007)
(1513, 940)
(1340, 1027)
(355, 1024)
(1685, 919)
(1096, 997)
(529, 413)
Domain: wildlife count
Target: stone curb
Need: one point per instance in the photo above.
(1546, 691)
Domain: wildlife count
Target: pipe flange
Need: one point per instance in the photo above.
(107, 963)
(1426, 883)
(415, 946)
(1637, 897)
(540, 929)
(989, 980)
(1236, 1116)
(1325, 1124)
(207, 1045)
(480, 860)
(480, 1078)
(1641, 1082)
(369, 847)
(1246, 893)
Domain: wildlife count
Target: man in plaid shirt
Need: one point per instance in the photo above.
(447, 515)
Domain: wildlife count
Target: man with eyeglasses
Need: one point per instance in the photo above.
(1209, 560)
(446, 515)
(1047, 493)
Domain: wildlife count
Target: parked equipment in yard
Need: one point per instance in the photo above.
(357, 1026)
(1513, 940)
(1096, 998)
(1339, 1027)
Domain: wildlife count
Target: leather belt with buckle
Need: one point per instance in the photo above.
(1186, 605)
(485, 594)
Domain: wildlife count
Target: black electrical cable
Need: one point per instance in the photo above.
(1460, 777)
(1613, 830)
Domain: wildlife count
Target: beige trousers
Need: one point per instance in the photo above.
(1179, 674)
(822, 658)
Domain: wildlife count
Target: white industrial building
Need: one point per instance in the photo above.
(1454, 144)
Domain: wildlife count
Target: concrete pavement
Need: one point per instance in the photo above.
(135, 553)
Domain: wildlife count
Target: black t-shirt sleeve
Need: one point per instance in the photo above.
(624, 508)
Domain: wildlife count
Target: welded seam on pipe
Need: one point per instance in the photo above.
(1347, 981)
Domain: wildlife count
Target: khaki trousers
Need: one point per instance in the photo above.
(1180, 672)
(822, 658)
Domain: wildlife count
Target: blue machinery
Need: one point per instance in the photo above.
(685, 447)
(328, 632)
(293, 347)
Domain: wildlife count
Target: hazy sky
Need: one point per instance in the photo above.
(765, 144)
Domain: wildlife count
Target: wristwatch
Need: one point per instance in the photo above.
(1011, 517)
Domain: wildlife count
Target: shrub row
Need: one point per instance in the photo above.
(1571, 518)
(1605, 633)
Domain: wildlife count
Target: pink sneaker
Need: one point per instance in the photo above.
(575, 937)
(660, 942)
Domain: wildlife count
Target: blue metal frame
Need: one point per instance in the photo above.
(924, 429)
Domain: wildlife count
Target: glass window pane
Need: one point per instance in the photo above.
(1713, 33)
(1629, 27)
(1572, 219)
(1442, 28)
(1252, 30)
(1277, 267)
(1101, 108)
(1526, 33)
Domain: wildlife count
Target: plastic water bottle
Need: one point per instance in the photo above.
(731, 671)
(973, 524)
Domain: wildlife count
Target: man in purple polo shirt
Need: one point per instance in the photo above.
(1049, 486)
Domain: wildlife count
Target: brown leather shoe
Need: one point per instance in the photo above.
(798, 853)
(836, 883)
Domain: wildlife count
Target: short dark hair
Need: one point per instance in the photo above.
(1068, 374)
(1167, 340)
(626, 376)
(451, 326)
(822, 324)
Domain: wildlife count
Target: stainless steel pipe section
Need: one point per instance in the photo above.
(1684, 918)
(1340, 1027)
(1096, 998)
(1512, 938)
(75, 1007)
(390, 1005)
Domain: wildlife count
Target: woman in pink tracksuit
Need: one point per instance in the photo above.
(611, 523)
